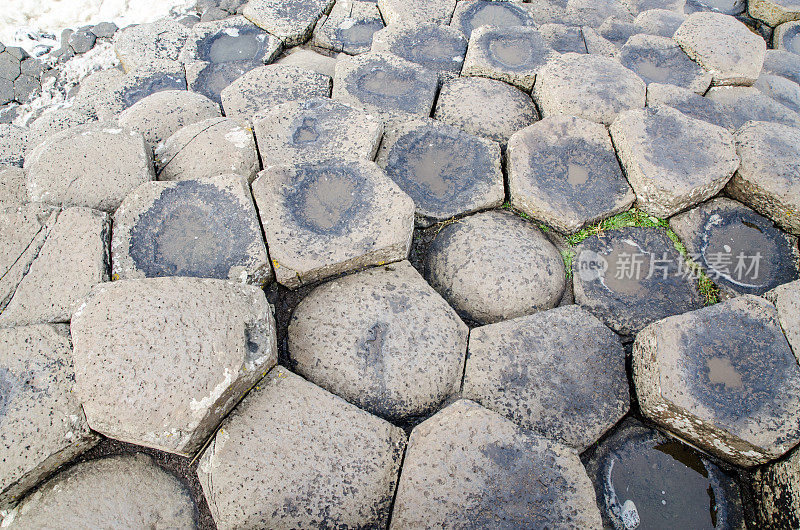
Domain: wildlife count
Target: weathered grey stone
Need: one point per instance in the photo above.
(774, 12)
(661, 22)
(349, 27)
(470, 467)
(485, 107)
(558, 373)
(548, 11)
(593, 13)
(267, 86)
(9, 66)
(414, 13)
(94, 88)
(562, 38)
(472, 14)
(672, 161)
(160, 361)
(741, 251)
(15, 143)
(596, 44)
(137, 85)
(767, 177)
(92, 165)
(495, 266)
(208, 148)
(393, 347)
(25, 87)
(727, 7)
(231, 40)
(315, 129)
(777, 493)
(631, 277)
(81, 41)
(12, 186)
(210, 79)
(326, 218)
(42, 426)
(690, 103)
(213, 14)
(310, 60)
(617, 30)
(589, 86)
(563, 171)
(385, 85)
(787, 36)
(291, 21)
(142, 44)
(743, 104)
(638, 6)
(104, 30)
(738, 406)
(6, 91)
(724, 46)
(74, 257)
(57, 120)
(292, 455)
(130, 491)
(446, 171)
(782, 90)
(511, 54)
(660, 60)
(438, 48)
(786, 298)
(782, 63)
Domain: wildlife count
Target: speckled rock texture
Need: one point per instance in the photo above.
(774, 12)
(785, 36)
(13, 186)
(777, 488)
(214, 338)
(469, 15)
(349, 27)
(15, 143)
(57, 120)
(136, 85)
(414, 13)
(660, 60)
(690, 103)
(742, 104)
(230, 40)
(787, 301)
(438, 48)
(291, 21)
(141, 44)
(310, 60)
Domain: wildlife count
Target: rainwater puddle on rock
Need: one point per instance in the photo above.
(577, 175)
(652, 73)
(325, 199)
(511, 52)
(495, 14)
(228, 48)
(386, 83)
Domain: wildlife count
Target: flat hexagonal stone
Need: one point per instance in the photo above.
(94, 165)
(631, 277)
(230, 40)
(558, 373)
(774, 12)
(563, 171)
(210, 79)
(690, 103)
(395, 349)
(741, 251)
(349, 27)
(588, 86)
(513, 54)
(310, 60)
(141, 44)
(137, 85)
(41, 422)
(485, 107)
(472, 14)
(385, 85)
(315, 129)
(204, 228)
(130, 491)
(777, 488)
(292, 21)
(672, 161)
(468, 467)
(724, 46)
(416, 13)
(267, 86)
(216, 146)
(646, 478)
(326, 218)
(696, 375)
(437, 48)
(159, 362)
(742, 104)
(15, 143)
(660, 60)
(782, 90)
(495, 266)
(292, 455)
(445, 170)
(767, 177)
(786, 298)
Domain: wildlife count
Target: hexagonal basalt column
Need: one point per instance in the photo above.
(229, 40)
(205, 228)
(142, 44)
(445, 170)
(210, 79)
(558, 373)
(16, 143)
(787, 301)
(697, 375)
(158, 362)
(746, 103)
(472, 14)
(660, 60)
(438, 48)
(468, 467)
(349, 27)
(292, 21)
(291, 455)
(326, 218)
(399, 13)
(395, 348)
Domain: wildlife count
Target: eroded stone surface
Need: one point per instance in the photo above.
(660, 60)
(414, 13)
(15, 143)
(782, 90)
(141, 44)
(472, 14)
(292, 21)
(438, 48)
(661, 22)
(690, 103)
(12, 186)
(778, 493)
(787, 36)
(783, 63)
(349, 27)
(231, 40)
(136, 85)
(57, 120)
(743, 104)
(563, 38)
(210, 79)
(774, 12)
(310, 60)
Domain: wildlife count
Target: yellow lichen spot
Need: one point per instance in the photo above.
(115, 276)
(275, 264)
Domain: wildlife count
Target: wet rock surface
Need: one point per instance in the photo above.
(232, 40)
(349, 27)
(660, 60)
(291, 21)
(470, 15)
(437, 48)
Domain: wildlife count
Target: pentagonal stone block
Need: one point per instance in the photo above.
(485, 107)
(230, 40)
(589, 86)
(93, 165)
(385, 85)
(141, 44)
(446, 171)
(742, 104)
(325, 218)
(786, 37)
(330, 464)
(137, 85)
(563, 171)
(559, 373)
(741, 251)
(15, 143)
(12, 186)
(267, 86)
(724, 46)
(395, 350)
(131, 490)
(661, 60)
(310, 60)
(74, 257)
(661, 22)
(774, 12)
(57, 120)
(41, 423)
(777, 493)
(204, 228)
(767, 177)
(631, 277)
(696, 375)
(645, 478)
(782, 63)
(690, 103)
(470, 467)
(349, 27)
(208, 148)
(291, 21)
(513, 54)
(672, 161)
(210, 79)
(416, 13)
(437, 48)
(472, 14)
(787, 301)
(159, 362)
(782, 90)
(495, 266)
(314, 130)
